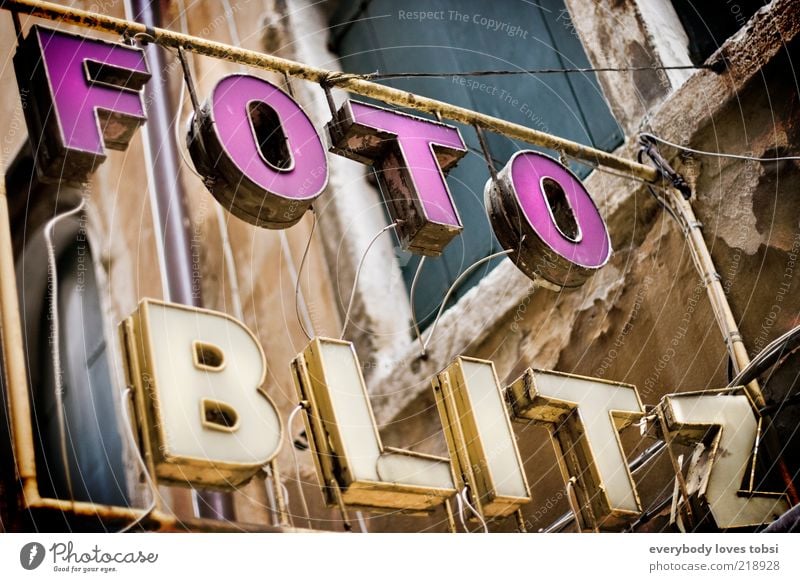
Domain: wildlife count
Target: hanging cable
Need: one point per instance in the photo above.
(473, 510)
(55, 337)
(455, 284)
(661, 140)
(297, 300)
(767, 357)
(411, 295)
(460, 502)
(503, 72)
(299, 482)
(153, 489)
(358, 273)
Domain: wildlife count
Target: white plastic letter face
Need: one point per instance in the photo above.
(480, 437)
(728, 426)
(345, 442)
(198, 376)
(584, 416)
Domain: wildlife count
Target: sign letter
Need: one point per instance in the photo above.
(345, 442)
(727, 426)
(541, 211)
(258, 151)
(411, 155)
(197, 376)
(479, 436)
(584, 416)
(85, 96)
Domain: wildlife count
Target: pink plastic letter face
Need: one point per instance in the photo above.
(541, 211)
(411, 155)
(262, 158)
(84, 95)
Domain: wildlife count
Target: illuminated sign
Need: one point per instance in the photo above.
(258, 151)
(85, 97)
(727, 424)
(482, 444)
(197, 376)
(345, 440)
(541, 212)
(411, 154)
(198, 373)
(584, 417)
(263, 160)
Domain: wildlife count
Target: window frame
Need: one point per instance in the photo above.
(379, 319)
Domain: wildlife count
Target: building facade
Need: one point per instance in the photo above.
(712, 79)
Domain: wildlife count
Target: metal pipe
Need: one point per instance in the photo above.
(353, 83)
(704, 264)
(169, 206)
(14, 361)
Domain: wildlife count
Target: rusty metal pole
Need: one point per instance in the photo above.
(169, 201)
(359, 84)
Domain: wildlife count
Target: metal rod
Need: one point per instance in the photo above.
(676, 467)
(353, 83)
(283, 510)
(704, 264)
(337, 493)
(451, 520)
(14, 362)
(170, 206)
(520, 521)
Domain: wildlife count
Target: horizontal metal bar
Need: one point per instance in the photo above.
(155, 520)
(634, 467)
(354, 83)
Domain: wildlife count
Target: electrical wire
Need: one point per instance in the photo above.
(473, 510)
(55, 338)
(292, 416)
(718, 154)
(461, 512)
(636, 465)
(412, 292)
(297, 280)
(503, 72)
(768, 357)
(153, 489)
(358, 273)
(455, 284)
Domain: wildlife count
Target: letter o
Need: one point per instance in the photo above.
(258, 152)
(541, 212)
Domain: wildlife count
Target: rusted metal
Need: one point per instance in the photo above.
(170, 201)
(354, 83)
(416, 230)
(16, 382)
(280, 498)
(14, 366)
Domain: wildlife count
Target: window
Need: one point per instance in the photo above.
(709, 24)
(470, 35)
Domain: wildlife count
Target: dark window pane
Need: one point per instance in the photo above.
(473, 35)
